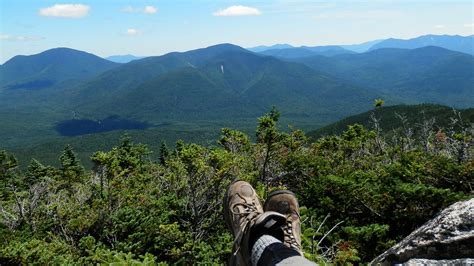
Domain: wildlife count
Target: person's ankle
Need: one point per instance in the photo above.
(270, 224)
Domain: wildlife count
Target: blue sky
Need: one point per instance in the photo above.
(155, 27)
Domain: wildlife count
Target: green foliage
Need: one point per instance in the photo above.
(358, 195)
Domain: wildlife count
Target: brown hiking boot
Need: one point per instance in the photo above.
(243, 212)
(285, 202)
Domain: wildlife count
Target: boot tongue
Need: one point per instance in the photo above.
(270, 223)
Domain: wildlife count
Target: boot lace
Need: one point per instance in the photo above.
(251, 212)
(290, 239)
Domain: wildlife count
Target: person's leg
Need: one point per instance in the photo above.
(259, 236)
(244, 216)
(286, 203)
(290, 251)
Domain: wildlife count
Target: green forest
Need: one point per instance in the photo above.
(360, 192)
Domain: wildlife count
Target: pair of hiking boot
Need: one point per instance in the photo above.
(247, 219)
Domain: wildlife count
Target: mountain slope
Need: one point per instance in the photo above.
(51, 67)
(464, 44)
(428, 74)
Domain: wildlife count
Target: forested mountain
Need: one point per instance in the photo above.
(50, 67)
(222, 81)
(413, 117)
(458, 43)
(428, 74)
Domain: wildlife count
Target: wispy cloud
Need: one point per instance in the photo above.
(145, 10)
(237, 11)
(65, 11)
(369, 14)
(469, 25)
(20, 38)
(132, 32)
(440, 26)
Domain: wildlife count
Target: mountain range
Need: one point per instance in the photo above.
(428, 74)
(464, 44)
(222, 82)
(62, 92)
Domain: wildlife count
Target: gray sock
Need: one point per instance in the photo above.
(259, 246)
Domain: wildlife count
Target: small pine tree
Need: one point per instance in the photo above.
(34, 172)
(70, 165)
(164, 152)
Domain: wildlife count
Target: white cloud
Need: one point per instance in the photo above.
(145, 10)
(65, 11)
(469, 25)
(440, 26)
(20, 38)
(237, 11)
(132, 32)
(150, 10)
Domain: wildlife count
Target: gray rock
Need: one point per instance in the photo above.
(457, 262)
(449, 236)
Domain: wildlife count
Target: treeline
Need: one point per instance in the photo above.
(359, 192)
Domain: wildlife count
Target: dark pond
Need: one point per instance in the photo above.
(77, 127)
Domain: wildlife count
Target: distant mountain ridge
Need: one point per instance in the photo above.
(123, 58)
(361, 47)
(464, 44)
(261, 48)
(305, 51)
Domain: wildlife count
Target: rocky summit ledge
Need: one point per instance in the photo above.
(448, 239)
